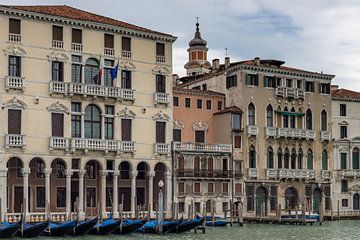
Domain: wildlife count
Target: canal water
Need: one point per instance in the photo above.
(328, 231)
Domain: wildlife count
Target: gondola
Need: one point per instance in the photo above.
(188, 225)
(106, 227)
(152, 226)
(128, 226)
(59, 229)
(217, 223)
(84, 227)
(9, 229)
(32, 230)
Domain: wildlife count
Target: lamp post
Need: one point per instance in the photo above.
(160, 208)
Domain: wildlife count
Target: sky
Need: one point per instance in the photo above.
(315, 35)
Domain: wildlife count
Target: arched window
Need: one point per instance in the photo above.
(286, 158)
(270, 158)
(324, 160)
(310, 159)
(90, 169)
(91, 71)
(308, 119)
(356, 202)
(124, 170)
(292, 118)
(323, 121)
(269, 116)
(300, 159)
(60, 168)
(252, 157)
(285, 118)
(279, 158)
(251, 114)
(293, 159)
(355, 158)
(92, 122)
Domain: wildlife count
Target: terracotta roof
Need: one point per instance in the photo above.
(197, 92)
(342, 93)
(231, 109)
(78, 14)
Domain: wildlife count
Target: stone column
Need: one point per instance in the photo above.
(168, 191)
(82, 126)
(103, 175)
(47, 172)
(133, 192)
(3, 189)
(103, 126)
(115, 194)
(26, 172)
(81, 194)
(68, 191)
(151, 175)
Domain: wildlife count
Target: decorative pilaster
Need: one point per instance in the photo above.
(47, 172)
(26, 172)
(3, 189)
(69, 173)
(103, 175)
(115, 194)
(81, 193)
(151, 176)
(133, 192)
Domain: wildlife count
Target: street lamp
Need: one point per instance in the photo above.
(160, 208)
(161, 184)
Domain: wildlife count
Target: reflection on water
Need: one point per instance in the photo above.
(328, 231)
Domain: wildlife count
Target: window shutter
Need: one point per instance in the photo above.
(197, 187)
(126, 44)
(210, 187)
(14, 121)
(210, 164)
(14, 26)
(196, 163)
(160, 132)
(238, 188)
(160, 49)
(126, 129)
(237, 141)
(57, 33)
(160, 83)
(57, 122)
(177, 135)
(61, 71)
(225, 188)
(108, 40)
(199, 136)
(76, 35)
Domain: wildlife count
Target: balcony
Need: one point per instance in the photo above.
(88, 144)
(160, 59)
(58, 87)
(280, 92)
(127, 94)
(162, 149)
(287, 92)
(295, 133)
(281, 132)
(161, 98)
(109, 52)
(203, 173)
(126, 54)
(325, 174)
(76, 47)
(16, 83)
(297, 174)
(300, 94)
(252, 130)
(253, 173)
(15, 140)
(202, 147)
(14, 38)
(60, 143)
(94, 90)
(290, 132)
(57, 44)
(310, 134)
(353, 173)
(290, 92)
(325, 136)
(271, 173)
(127, 146)
(270, 132)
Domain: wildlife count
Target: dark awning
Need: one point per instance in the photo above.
(284, 113)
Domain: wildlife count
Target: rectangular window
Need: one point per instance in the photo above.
(160, 132)
(160, 83)
(61, 197)
(219, 105)
(252, 79)
(57, 124)
(126, 79)
(231, 81)
(309, 86)
(76, 69)
(279, 82)
(57, 71)
(199, 136)
(237, 141)
(57, 33)
(270, 81)
(160, 49)
(181, 207)
(109, 122)
(181, 188)
(126, 129)
(299, 84)
(289, 83)
(325, 88)
(39, 169)
(225, 188)
(76, 36)
(199, 104)
(90, 197)
(14, 121)
(208, 104)
(343, 110)
(238, 188)
(250, 197)
(343, 160)
(108, 40)
(187, 102)
(14, 66)
(344, 186)
(197, 189)
(176, 101)
(14, 26)
(75, 120)
(210, 188)
(343, 131)
(177, 135)
(126, 44)
(107, 76)
(235, 121)
(40, 197)
(204, 87)
(344, 202)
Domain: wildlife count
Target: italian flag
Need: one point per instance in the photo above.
(100, 70)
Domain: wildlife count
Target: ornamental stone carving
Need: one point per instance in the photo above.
(15, 103)
(126, 113)
(15, 51)
(58, 56)
(161, 70)
(58, 108)
(127, 65)
(161, 116)
(200, 126)
(178, 124)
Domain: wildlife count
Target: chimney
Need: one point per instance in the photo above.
(227, 62)
(334, 87)
(215, 64)
(257, 61)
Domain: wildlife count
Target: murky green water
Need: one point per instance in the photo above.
(329, 230)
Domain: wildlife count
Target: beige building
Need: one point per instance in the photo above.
(69, 133)
(283, 144)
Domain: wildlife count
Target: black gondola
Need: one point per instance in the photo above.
(152, 227)
(84, 227)
(188, 225)
(32, 230)
(59, 229)
(8, 229)
(128, 226)
(106, 227)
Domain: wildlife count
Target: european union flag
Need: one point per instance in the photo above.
(114, 72)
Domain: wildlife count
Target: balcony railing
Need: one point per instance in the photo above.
(59, 143)
(253, 173)
(94, 90)
(297, 173)
(58, 87)
(88, 144)
(325, 174)
(15, 140)
(162, 149)
(281, 132)
(287, 92)
(202, 147)
(325, 136)
(295, 133)
(270, 132)
(16, 83)
(252, 130)
(204, 173)
(160, 97)
(310, 134)
(290, 132)
(127, 94)
(76, 47)
(127, 146)
(280, 91)
(350, 173)
(126, 54)
(271, 173)
(160, 59)
(300, 94)
(57, 44)
(290, 92)
(109, 51)
(14, 38)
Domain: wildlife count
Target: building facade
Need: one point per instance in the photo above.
(345, 130)
(284, 145)
(73, 134)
